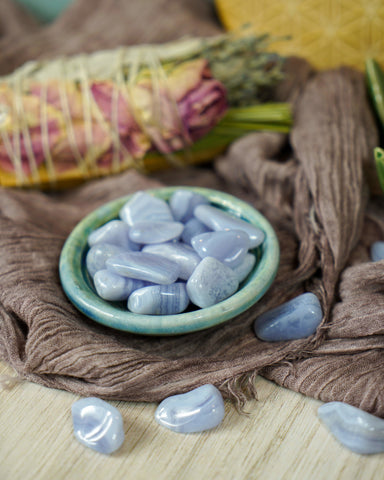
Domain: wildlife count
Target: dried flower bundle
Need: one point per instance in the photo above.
(142, 107)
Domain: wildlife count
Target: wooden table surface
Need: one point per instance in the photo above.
(280, 438)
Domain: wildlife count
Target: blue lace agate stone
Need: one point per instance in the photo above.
(245, 267)
(211, 282)
(144, 266)
(192, 228)
(198, 410)
(113, 287)
(377, 251)
(97, 425)
(356, 429)
(183, 203)
(99, 254)
(143, 207)
(184, 255)
(114, 232)
(159, 299)
(217, 219)
(292, 320)
(155, 232)
(228, 246)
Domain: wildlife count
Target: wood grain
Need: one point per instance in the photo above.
(280, 438)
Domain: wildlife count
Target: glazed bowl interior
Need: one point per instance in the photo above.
(79, 288)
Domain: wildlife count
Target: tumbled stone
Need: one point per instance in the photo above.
(97, 425)
(184, 202)
(113, 287)
(99, 254)
(144, 266)
(297, 318)
(115, 232)
(211, 282)
(184, 255)
(228, 246)
(198, 410)
(143, 207)
(217, 220)
(354, 428)
(245, 267)
(377, 251)
(159, 299)
(192, 228)
(155, 232)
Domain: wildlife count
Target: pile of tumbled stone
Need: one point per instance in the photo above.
(99, 425)
(114, 263)
(161, 256)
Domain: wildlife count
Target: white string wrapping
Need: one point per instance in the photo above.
(130, 63)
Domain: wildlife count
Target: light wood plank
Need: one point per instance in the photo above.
(280, 438)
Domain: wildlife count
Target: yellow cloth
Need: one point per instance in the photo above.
(326, 32)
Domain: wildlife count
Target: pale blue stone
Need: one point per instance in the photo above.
(144, 266)
(228, 246)
(217, 219)
(192, 228)
(377, 251)
(143, 207)
(245, 267)
(184, 255)
(198, 410)
(211, 282)
(295, 319)
(99, 254)
(115, 232)
(113, 287)
(155, 232)
(183, 204)
(354, 428)
(97, 425)
(159, 300)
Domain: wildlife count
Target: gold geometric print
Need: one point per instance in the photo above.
(328, 33)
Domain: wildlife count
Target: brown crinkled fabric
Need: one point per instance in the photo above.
(311, 186)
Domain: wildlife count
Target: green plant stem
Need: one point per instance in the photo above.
(240, 129)
(375, 81)
(379, 160)
(268, 116)
(240, 121)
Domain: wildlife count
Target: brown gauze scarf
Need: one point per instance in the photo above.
(312, 186)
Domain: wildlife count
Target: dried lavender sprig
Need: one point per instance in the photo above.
(244, 66)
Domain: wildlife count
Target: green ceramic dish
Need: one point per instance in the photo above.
(80, 291)
(45, 10)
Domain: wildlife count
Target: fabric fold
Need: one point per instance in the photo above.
(311, 186)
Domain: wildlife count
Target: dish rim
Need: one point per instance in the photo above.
(77, 284)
